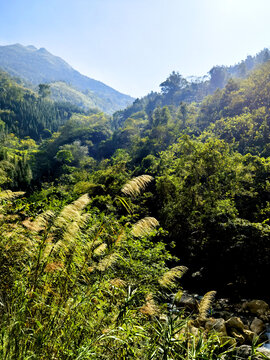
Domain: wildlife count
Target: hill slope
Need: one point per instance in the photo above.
(39, 66)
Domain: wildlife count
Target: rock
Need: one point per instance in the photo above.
(216, 324)
(264, 351)
(239, 337)
(194, 330)
(249, 336)
(190, 329)
(225, 314)
(257, 326)
(244, 352)
(235, 323)
(235, 328)
(256, 307)
(188, 302)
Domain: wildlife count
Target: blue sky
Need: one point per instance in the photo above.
(133, 45)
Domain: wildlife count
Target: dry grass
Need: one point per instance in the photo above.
(150, 308)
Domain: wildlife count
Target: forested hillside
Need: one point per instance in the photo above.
(102, 216)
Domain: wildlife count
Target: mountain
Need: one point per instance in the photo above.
(40, 66)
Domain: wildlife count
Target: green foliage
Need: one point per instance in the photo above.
(25, 114)
(88, 278)
(44, 90)
(76, 284)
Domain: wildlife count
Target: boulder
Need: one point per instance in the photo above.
(238, 336)
(257, 326)
(235, 323)
(244, 351)
(256, 307)
(249, 336)
(216, 324)
(264, 351)
(188, 302)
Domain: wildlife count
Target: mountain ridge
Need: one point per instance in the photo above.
(40, 66)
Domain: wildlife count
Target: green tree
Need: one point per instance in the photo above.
(44, 90)
(173, 83)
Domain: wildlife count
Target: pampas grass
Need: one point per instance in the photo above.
(10, 195)
(100, 249)
(150, 308)
(107, 262)
(135, 186)
(205, 304)
(168, 280)
(144, 226)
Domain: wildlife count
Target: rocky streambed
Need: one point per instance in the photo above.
(245, 325)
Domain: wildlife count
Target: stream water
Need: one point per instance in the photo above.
(267, 345)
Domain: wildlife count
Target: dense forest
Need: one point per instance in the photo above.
(108, 221)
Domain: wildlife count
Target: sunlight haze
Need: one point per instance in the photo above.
(133, 45)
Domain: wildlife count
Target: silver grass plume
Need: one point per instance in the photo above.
(107, 262)
(72, 212)
(178, 296)
(84, 220)
(68, 238)
(120, 238)
(10, 195)
(67, 225)
(205, 304)
(118, 283)
(136, 185)
(82, 202)
(144, 226)
(100, 249)
(40, 223)
(150, 308)
(168, 280)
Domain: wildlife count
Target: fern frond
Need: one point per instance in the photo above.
(136, 185)
(168, 280)
(144, 226)
(205, 304)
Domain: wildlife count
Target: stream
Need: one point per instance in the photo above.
(267, 345)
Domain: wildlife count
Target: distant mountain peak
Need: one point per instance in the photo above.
(31, 47)
(43, 50)
(40, 66)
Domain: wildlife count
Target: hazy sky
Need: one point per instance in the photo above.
(133, 45)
